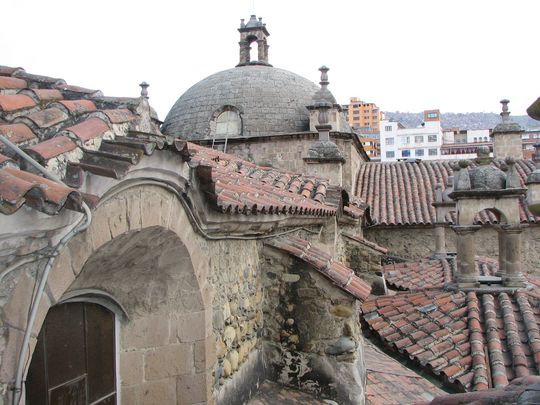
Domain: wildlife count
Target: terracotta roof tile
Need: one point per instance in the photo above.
(474, 340)
(402, 193)
(119, 115)
(18, 187)
(89, 128)
(14, 102)
(45, 95)
(339, 274)
(51, 148)
(79, 105)
(363, 241)
(8, 71)
(47, 118)
(17, 133)
(12, 83)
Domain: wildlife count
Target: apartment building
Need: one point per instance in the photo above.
(363, 116)
(423, 142)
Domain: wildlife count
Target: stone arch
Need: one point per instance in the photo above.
(505, 209)
(167, 333)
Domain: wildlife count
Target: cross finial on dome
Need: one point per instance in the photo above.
(144, 89)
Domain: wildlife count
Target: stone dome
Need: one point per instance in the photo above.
(265, 101)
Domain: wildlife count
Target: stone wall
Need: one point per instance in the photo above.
(418, 242)
(287, 152)
(193, 307)
(325, 360)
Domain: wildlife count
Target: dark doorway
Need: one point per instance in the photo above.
(74, 359)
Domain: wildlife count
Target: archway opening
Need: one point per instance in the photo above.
(228, 123)
(253, 50)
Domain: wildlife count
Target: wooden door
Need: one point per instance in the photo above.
(74, 359)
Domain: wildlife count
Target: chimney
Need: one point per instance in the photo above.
(507, 136)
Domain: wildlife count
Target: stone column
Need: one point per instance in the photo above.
(512, 239)
(440, 240)
(260, 50)
(466, 251)
(244, 52)
(502, 253)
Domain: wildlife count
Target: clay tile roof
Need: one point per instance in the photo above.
(120, 115)
(12, 83)
(17, 133)
(18, 187)
(51, 148)
(402, 193)
(8, 71)
(342, 276)
(236, 186)
(47, 118)
(79, 105)
(365, 242)
(472, 340)
(391, 383)
(45, 95)
(89, 129)
(14, 102)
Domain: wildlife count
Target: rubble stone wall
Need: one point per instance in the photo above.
(325, 359)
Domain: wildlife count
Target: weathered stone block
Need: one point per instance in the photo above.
(131, 368)
(144, 332)
(194, 326)
(61, 275)
(205, 354)
(168, 361)
(161, 392)
(192, 389)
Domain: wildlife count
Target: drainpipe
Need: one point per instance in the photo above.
(81, 226)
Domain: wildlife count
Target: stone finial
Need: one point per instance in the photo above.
(324, 77)
(144, 89)
(482, 155)
(461, 177)
(505, 114)
(242, 23)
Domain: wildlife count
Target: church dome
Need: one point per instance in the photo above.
(257, 100)
(251, 100)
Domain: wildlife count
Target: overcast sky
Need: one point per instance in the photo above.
(458, 56)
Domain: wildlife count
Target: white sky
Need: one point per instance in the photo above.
(406, 55)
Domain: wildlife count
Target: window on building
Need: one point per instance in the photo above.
(405, 153)
(366, 111)
(356, 112)
(432, 115)
(390, 154)
(432, 152)
(432, 138)
(419, 139)
(406, 140)
(475, 139)
(356, 125)
(356, 118)
(228, 123)
(419, 152)
(388, 128)
(389, 141)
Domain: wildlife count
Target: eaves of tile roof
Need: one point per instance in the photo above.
(402, 193)
(339, 274)
(73, 130)
(474, 340)
(391, 383)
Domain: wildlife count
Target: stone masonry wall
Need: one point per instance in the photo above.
(325, 360)
(416, 243)
(288, 153)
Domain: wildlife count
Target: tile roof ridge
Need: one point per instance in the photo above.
(519, 360)
(496, 360)
(476, 339)
(531, 326)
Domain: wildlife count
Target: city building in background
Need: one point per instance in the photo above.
(363, 116)
(423, 142)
